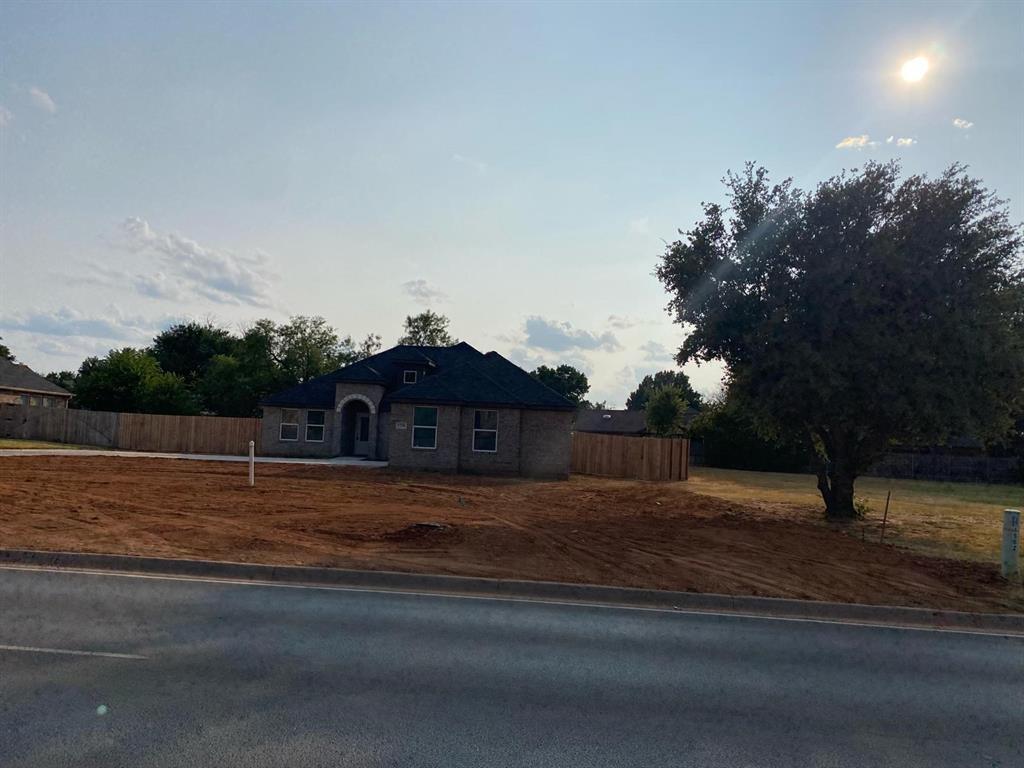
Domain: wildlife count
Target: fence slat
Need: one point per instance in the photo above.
(131, 431)
(640, 458)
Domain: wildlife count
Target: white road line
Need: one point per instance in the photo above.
(70, 652)
(532, 600)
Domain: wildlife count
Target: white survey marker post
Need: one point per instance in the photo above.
(252, 462)
(1011, 543)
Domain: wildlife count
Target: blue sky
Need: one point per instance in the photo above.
(515, 167)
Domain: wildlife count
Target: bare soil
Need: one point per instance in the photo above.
(585, 530)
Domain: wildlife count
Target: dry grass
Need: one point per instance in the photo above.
(961, 520)
(16, 444)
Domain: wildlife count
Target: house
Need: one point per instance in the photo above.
(608, 422)
(611, 422)
(20, 385)
(451, 409)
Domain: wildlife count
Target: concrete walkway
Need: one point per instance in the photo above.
(337, 461)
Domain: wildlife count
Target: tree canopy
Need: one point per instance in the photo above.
(427, 329)
(131, 380)
(567, 381)
(865, 311)
(199, 367)
(187, 348)
(665, 411)
(5, 351)
(650, 383)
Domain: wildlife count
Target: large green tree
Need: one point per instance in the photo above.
(566, 380)
(865, 311)
(131, 380)
(650, 383)
(5, 352)
(427, 329)
(187, 348)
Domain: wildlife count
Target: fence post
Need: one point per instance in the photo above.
(252, 462)
(1011, 543)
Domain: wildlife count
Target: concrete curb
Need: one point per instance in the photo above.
(535, 590)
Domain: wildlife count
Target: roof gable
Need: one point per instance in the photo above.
(17, 376)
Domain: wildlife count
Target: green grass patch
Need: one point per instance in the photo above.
(949, 519)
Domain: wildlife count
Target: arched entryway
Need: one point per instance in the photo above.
(357, 426)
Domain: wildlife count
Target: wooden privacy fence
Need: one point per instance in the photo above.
(130, 431)
(639, 458)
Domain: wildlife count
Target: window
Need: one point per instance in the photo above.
(289, 425)
(485, 432)
(33, 401)
(424, 427)
(409, 377)
(314, 426)
(47, 402)
(24, 399)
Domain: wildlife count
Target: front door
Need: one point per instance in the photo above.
(361, 443)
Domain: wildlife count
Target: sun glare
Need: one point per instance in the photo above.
(914, 69)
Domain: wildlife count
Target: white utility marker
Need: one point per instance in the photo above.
(252, 462)
(1011, 543)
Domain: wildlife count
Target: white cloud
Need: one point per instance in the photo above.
(856, 142)
(6, 116)
(890, 140)
(622, 322)
(423, 292)
(906, 142)
(562, 337)
(655, 352)
(42, 100)
(113, 324)
(478, 165)
(219, 275)
(963, 125)
(640, 225)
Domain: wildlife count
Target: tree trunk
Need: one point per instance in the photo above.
(835, 482)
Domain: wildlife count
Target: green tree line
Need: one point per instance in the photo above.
(199, 367)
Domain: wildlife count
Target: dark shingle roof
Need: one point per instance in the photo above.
(611, 422)
(484, 380)
(381, 368)
(17, 376)
(464, 375)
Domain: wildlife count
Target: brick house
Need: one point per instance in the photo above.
(20, 385)
(451, 409)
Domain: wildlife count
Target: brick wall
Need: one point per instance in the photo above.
(506, 460)
(530, 443)
(444, 458)
(546, 443)
(272, 445)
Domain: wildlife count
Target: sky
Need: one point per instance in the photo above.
(517, 167)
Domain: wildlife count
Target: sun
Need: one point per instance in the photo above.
(913, 70)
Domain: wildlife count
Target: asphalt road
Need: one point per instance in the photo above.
(219, 674)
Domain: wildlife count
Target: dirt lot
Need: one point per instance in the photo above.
(585, 530)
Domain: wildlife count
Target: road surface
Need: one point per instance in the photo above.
(113, 670)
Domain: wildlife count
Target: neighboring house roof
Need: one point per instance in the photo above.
(619, 422)
(20, 377)
(611, 422)
(463, 375)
